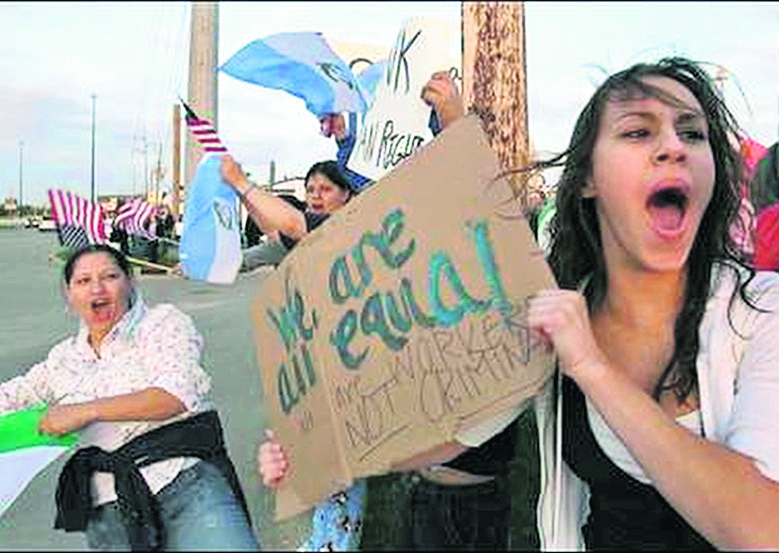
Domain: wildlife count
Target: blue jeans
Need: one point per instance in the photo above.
(405, 512)
(198, 512)
(473, 517)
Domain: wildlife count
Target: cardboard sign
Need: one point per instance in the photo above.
(401, 319)
(396, 125)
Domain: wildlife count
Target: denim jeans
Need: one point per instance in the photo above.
(406, 512)
(198, 512)
(470, 517)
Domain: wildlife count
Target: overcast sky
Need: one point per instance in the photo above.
(133, 56)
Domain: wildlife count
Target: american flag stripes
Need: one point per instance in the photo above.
(136, 218)
(79, 221)
(203, 131)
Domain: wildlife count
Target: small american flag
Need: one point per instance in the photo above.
(79, 221)
(136, 218)
(203, 131)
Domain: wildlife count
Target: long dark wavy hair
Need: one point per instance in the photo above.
(576, 249)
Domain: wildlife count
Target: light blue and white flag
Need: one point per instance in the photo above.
(210, 247)
(25, 452)
(304, 65)
(369, 77)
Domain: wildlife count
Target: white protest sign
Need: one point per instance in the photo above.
(396, 125)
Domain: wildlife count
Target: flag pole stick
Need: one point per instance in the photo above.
(59, 234)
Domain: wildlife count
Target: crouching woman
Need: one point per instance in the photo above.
(152, 471)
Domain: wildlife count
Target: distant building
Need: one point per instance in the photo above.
(10, 205)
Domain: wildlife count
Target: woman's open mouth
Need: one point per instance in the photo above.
(667, 208)
(102, 309)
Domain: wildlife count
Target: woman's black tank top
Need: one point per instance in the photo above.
(625, 513)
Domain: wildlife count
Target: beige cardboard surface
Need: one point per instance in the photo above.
(295, 395)
(415, 297)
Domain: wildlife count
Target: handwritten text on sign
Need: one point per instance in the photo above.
(396, 125)
(445, 367)
(446, 364)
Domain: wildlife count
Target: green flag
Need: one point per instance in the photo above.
(19, 430)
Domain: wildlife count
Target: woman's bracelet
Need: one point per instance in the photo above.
(248, 189)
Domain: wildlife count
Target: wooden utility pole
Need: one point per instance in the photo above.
(176, 161)
(494, 80)
(203, 48)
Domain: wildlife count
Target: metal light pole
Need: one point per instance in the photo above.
(94, 97)
(21, 146)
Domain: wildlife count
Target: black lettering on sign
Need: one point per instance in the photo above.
(395, 147)
(303, 420)
(346, 393)
(366, 142)
(398, 60)
(371, 415)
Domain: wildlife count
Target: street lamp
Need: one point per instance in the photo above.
(21, 145)
(94, 97)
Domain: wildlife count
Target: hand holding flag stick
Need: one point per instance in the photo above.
(20, 429)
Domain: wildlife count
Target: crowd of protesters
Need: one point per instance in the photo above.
(658, 430)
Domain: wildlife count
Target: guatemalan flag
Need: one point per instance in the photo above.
(24, 451)
(304, 65)
(210, 247)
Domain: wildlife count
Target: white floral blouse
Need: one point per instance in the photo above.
(149, 347)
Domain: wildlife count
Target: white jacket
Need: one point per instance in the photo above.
(738, 384)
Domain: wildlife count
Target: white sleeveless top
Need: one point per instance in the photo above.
(613, 447)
